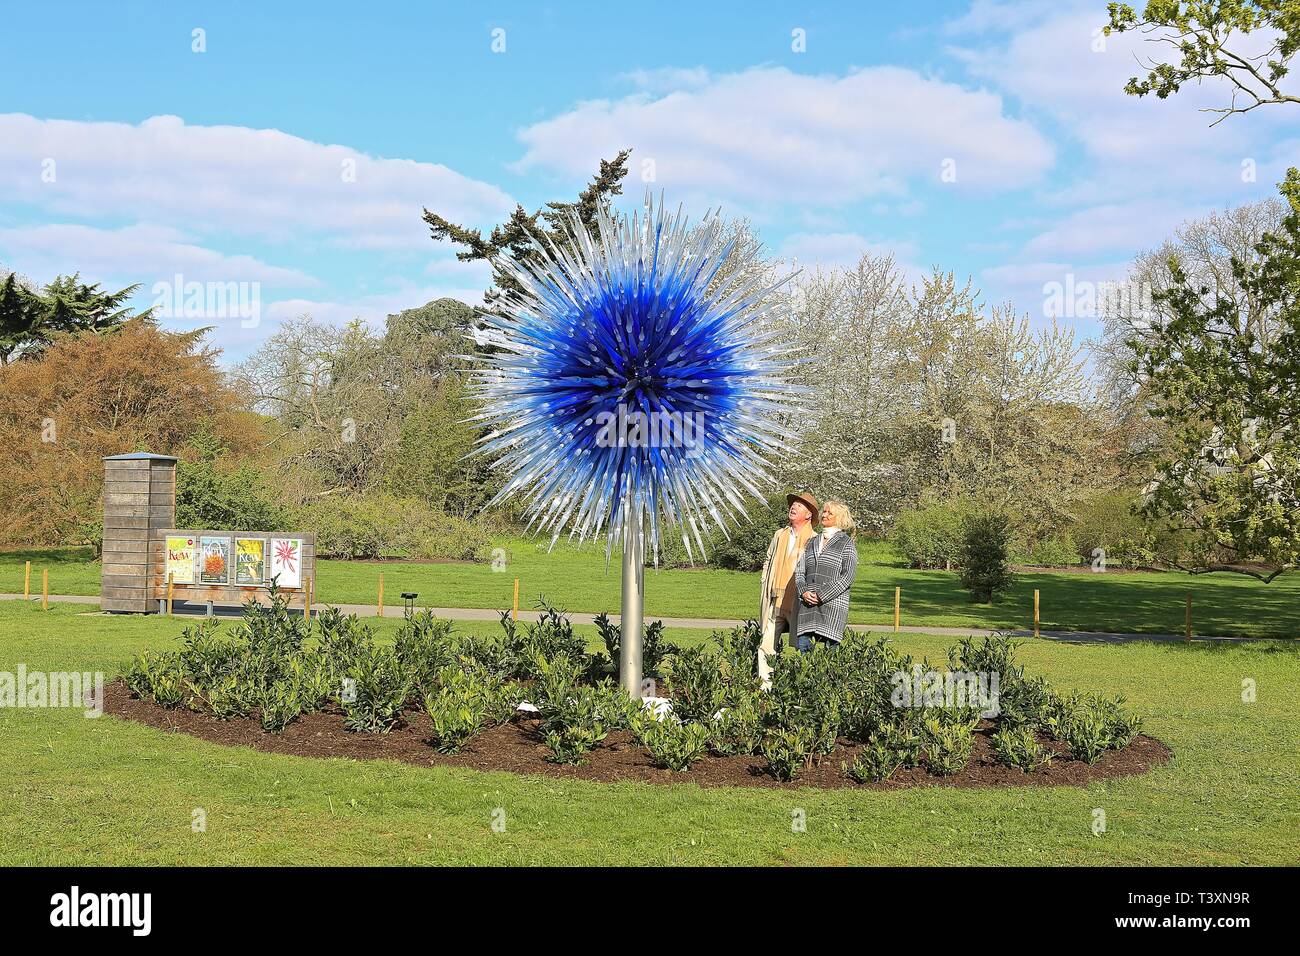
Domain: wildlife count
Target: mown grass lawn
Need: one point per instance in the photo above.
(105, 791)
(1223, 604)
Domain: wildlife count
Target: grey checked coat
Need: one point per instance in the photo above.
(828, 572)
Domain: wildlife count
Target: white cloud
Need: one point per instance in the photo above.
(1121, 227)
(772, 136)
(234, 179)
(842, 250)
(1054, 65)
(139, 253)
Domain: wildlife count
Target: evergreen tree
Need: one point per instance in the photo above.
(519, 235)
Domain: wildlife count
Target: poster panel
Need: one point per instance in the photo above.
(214, 560)
(250, 561)
(286, 562)
(180, 558)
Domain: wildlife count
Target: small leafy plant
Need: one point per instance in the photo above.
(696, 684)
(381, 687)
(787, 751)
(1019, 747)
(948, 746)
(673, 744)
(738, 730)
(279, 705)
(457, 711)
(876, 761)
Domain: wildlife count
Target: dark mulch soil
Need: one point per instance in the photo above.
(515, 747)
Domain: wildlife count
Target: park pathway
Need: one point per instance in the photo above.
(487, 614)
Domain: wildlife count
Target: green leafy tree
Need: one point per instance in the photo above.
(1227, 380)
(1206, 35)
(208, 496)
(433, 459)
(29, 320)
(21, 311)
(985, 557)
(524, 234)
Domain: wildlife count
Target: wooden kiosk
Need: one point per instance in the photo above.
(148, 562)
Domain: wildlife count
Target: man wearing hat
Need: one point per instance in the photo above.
(778, 610)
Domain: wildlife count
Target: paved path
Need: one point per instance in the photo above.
(487, 614)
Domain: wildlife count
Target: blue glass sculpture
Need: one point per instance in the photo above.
(635, 376)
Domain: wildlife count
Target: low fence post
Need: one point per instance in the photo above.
(45, 589)
(1035, 612)
(898, 607)
(171, 584)
(27, 581)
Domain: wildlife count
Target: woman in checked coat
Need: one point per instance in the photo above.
(823, 578)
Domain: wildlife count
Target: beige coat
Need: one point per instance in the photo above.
(788, 603)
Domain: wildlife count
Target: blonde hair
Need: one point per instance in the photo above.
(843, 516)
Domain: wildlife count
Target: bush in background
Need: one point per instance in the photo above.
(985, 556)
(208, 496)
(358, 527)
(745, 550)
(932, 536)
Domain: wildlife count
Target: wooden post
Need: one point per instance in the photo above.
(1035, 612)
(171, 583)
(27, 581)
(515, 613)
(45, 589)
(898, 602)
(306, 599)
(1188, 637)
(381, 593)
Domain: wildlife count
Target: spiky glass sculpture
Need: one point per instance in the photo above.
(634, 376)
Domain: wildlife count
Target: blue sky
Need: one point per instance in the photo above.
(297, 149)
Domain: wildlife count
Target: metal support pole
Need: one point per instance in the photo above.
(631, 622)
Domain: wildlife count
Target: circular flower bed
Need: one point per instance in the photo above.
(532, 699)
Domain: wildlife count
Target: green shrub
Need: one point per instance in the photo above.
(1052, 551)
(875, 762)
(375, 525)
(932, 536)
(673, 744)
(423, 646)
(227, 698)
(457, 710)
(738, 730)
(787, 751)
(1092, 725)
(1106, 524)
(808, 690)
(1121, 726)
(739, 650)
(654, 648)
(279, 705)
(381, 688)
(696, 684)
(892, 746)
(573, 715)
(234, 500)
(571, 744)
(550, 636)
(746, 548)
(1019, 747)
(985, 571)
(948, 745)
